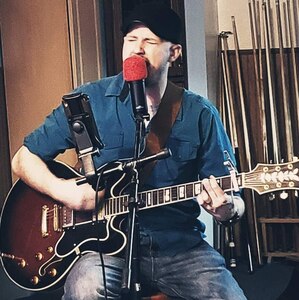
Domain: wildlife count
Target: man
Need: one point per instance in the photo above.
(174, 258)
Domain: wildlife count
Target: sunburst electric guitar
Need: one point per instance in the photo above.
(40, 239)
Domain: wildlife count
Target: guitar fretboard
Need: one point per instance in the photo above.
(163, 196)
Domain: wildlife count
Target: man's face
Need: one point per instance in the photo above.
(156, 52)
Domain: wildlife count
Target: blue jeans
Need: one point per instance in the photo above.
(199, 273)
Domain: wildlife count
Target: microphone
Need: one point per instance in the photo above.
(83, 129)
(135, 72)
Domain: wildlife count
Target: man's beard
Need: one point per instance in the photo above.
(154, 76)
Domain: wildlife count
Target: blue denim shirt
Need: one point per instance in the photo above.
(197, 142)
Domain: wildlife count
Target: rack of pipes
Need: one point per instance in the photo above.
(258, 99)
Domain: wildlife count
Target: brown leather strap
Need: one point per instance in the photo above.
(161, 125)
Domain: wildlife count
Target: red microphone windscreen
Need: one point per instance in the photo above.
(134, 68)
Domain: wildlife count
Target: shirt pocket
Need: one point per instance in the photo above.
(113, 145)
(182, 150)
(113, 140)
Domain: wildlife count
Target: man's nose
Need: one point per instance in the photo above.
(139, 48)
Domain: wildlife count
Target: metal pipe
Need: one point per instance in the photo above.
(245, 133)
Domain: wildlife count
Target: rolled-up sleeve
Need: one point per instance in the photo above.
(52, 137)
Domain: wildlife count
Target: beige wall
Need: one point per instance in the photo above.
(240, 10)
(36, 59)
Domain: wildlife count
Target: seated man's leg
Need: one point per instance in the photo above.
(199, 273)
(85, 281)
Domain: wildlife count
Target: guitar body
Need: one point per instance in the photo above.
(36, 252)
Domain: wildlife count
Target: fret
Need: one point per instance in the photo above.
(114, 200)
(174, 193)
(142, 199)
(120, 204)
(149, 198)
(226, 183)
(219, 181)
(161, 196)
(167, 195)
(155, 197)
(197, 188)
(110, 207)
(113, 206)
(106, 204)
(125, 203)
(117, 205)
(182, 192)
(189, 190)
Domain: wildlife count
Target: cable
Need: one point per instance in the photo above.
(97, 202)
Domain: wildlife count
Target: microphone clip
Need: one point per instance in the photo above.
(84, 131)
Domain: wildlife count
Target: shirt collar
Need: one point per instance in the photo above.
(118, 88)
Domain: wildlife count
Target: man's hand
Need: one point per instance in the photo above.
(77, 197)
(216, 202)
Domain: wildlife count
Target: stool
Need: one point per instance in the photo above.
(159, 296)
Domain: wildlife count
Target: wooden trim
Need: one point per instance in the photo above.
(5, 175)
(86, 42)
(279, 220)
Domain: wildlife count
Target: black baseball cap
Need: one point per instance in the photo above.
(159, 18)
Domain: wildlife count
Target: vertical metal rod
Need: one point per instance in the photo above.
(285, 196)
(286, 106)
(259, 26)
(258, 73)
(232, 132)
(245, 132)
(293, 61)
(288, 22)
(296, 21)
(273, 112)
(228, 89)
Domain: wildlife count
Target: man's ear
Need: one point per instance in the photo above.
(175, 52)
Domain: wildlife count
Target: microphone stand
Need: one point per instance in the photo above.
(88, 142)
(131, 287)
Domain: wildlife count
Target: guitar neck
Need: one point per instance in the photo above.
(164, 196)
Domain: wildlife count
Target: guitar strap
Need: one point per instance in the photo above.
(161, 125)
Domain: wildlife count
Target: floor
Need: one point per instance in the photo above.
(274, 281)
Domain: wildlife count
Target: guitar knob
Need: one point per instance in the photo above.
(34, 280)
(22, 263)
(50, 249)
(52, 272)
(38, 256)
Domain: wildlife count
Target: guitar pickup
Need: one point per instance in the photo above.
(44, 224)
(56, 218)
(48, 215)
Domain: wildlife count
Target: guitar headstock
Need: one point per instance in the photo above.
(266, 178)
